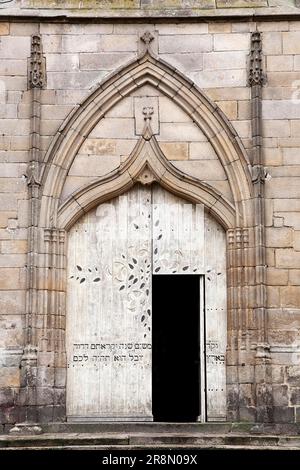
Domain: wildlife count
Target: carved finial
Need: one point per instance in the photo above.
(147, 38)
(37, 68)
(148, 112)
(256, 75)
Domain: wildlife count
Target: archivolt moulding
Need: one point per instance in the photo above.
(150, 70)
(145, 165)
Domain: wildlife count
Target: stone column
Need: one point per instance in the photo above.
(262, 362)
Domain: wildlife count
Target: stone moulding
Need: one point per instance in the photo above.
(146, 162)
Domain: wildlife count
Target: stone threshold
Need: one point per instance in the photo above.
(116, 436)
(69, 441)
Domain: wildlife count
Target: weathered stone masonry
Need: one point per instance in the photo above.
(225, 95)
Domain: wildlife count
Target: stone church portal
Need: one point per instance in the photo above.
(122, 256)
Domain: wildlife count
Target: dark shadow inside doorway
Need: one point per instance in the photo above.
(176, 348)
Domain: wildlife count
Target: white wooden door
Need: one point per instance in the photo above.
(112, 253)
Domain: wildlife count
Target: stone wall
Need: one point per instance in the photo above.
(214, 55)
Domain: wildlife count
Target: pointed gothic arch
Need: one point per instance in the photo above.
(150, 70)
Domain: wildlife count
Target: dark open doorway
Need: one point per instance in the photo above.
(176, 348)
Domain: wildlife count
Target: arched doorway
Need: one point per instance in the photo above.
(123, 257)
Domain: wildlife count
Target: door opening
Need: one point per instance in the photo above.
(176, 348)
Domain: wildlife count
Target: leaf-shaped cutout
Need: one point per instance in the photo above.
(157, 269)
(155, 251)
(149, 311)
(79, 267)
(131, 277)
(156, 223)
(122, 287)
(90, 270)
(185, 268)
(147, 291)
(149, 328)
(145, 325)
(136, 226)
(142, 285)
(145, 336)
(219, 274)
(209, 278)
(159, 237)
(77, 278)
(174, 272)
(141, 270)
(143, 318)
(71, 277)
(96, 269)
(131, 266)
(194, 270)
(134, 260)
(97, 279)
(135, 281)
(82, 280)
(123, 256)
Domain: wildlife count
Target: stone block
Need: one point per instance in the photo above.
(14, 246)
(119, 128)
(74, 80)
(280, 109)
(174, 131)
(185, 62)
(272, 156)
(272, 43)
(170, 112)
(23, 29)
(181, 28)
(118, 43)
(277, 277)
(279, 237)
(287, 258)
(204, 170)
(80, 43)
(11, 279)
(295, 395)
(278, 128)
(224, 60)
(293, 375)
(291, 42)
(12, 47)
(13, 67)
(10, 377)
(12, 302)
(219, 78)
(273, 296)
(103, 61)
(202, 151)
(290, 297)
(229, 108)
(283, 414)
(94, 165)
(231, 42)
(280, 395)
(8, 202)
(290, 156)
(4, 29)
(52, 44)
(277, 63)
(62, 62)
(219, 27)
(175, 150)
(170, 44)
(283, 338)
